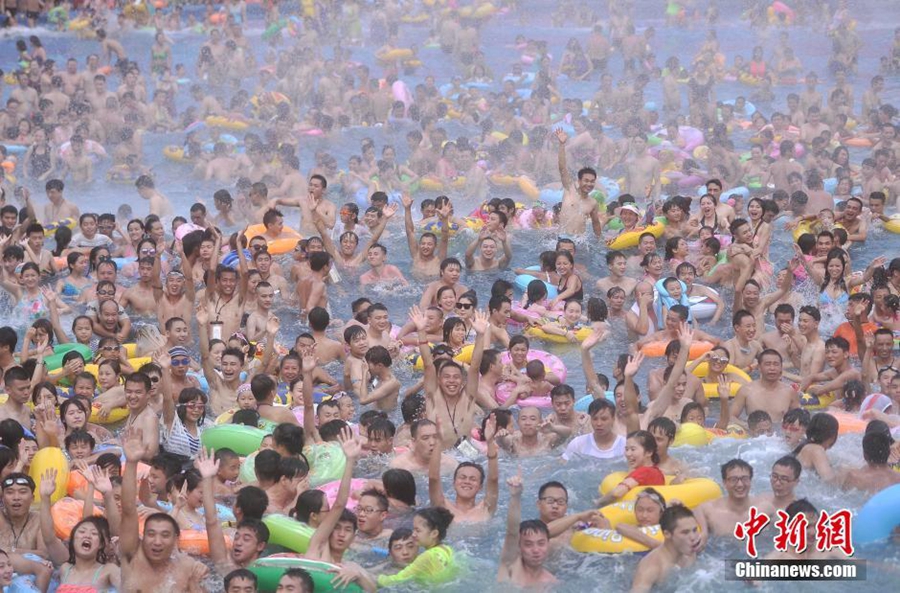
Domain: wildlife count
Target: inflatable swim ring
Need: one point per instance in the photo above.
(691, 492)
(535, 332)
(268, 572)
(285, 243)
(241, 439)
(46, 459)
(657, 349)
(610, 541)
(288, 533)
(631, 238)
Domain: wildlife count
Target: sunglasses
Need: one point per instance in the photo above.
(259, 247)
(109, 348)
(464, 306)
(106, 292)
(18, 482)
(180, 362)
(154, 379)
(194, 405)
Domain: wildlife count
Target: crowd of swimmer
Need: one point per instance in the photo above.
(212, 279)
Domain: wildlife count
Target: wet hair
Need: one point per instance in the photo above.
(801, 505)
(664, 425)
(438, 518)
(298, 573)
(102, 526)
(412, 407)
(400, 484)
(792, 463)
(648, 443)
(736, 464)
(822, 427)
(308, 502)
(757, 417)
(472, 464)
(165, 518)
(399, 535)
(672, 515)
(854, 393)
(240, 573)
(598, 405)
(290, 437)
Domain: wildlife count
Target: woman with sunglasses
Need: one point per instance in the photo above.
(183, 423)
(718, 360)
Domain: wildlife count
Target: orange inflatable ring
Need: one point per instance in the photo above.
(858, 142)
(658, 349)
(285, 243)
(66, 513)
(191, 541)
(849, 423)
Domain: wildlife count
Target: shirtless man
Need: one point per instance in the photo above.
(314, 200)
(784, 479)
(683, 541)
(327, 349)
(141, 415)
(525, 547)
(718, 517)
(837, 355)
(425, 441)
(468, 480)
(177, 299)
(778, 339)
(767, 393)
(59, 207)
(425, 260)
(222, 387)
(617, 264)
(380, 272)
(642, 171)
(783, 166)
(159, 204)
(577, 204)
(18, 533)
(18, 386)
(805, 346)
(293, 183)
(487, 260)
(743, 348)
(142, 297)
(149, 563)
(562, 399)
(226, 295)
(450, 271)
(311, 289)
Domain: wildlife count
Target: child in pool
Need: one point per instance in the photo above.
(648, 508)
(227, 474)
(567, 324)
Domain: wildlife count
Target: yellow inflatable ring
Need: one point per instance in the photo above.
(893, 225)
(400, 53)
(116, 415)
(610, 541)
(691, 492)
(174, 153)
(631, 238)
(220, 121)
(711, 390)
(535, 332)
(658, 349)
(46, 459)
(464, 357)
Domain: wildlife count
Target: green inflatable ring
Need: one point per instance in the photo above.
(268, 571)
(615, 224)
(247, 474)
(288, 533)
(55, 361)
(241, 439)
(326, 463)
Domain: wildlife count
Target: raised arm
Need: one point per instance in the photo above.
(564, 175)
(587, 363)
(133, 445)
(783, 288)
(632, 413)
(352, 450)
(481, 326)
(436, 496)
(408, 225)
(209, 368)
(658, 406)
(55, 549)
(207, 465)
(492, 493)
(510, 552)
(309, 363)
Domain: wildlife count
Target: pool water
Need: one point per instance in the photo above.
(481, 544)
